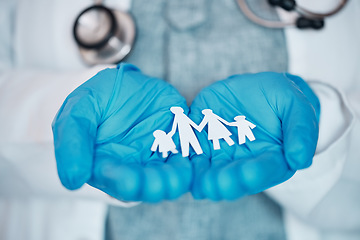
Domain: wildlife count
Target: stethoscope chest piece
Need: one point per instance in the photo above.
(104, 36)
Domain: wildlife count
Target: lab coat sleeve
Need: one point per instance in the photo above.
(314, 194)
(29, 100)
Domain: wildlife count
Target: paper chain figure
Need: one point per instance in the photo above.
(216, 131)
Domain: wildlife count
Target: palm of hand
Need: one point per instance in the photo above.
(284, 110)
(102, 133)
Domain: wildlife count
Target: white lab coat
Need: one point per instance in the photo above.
(39, 68)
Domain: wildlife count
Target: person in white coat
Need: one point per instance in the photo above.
(40, 66)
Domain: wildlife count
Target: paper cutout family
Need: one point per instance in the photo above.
(216, 131)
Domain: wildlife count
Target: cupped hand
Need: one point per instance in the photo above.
(104, 131)
(285, 111)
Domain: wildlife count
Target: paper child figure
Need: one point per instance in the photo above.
(186, 134)
(165, 143)
(244, 129)
(216, 128)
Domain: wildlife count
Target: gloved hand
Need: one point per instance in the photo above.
(285, 111)
(104, 131)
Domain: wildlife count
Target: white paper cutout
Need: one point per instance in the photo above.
(165, 143)
(244, 129)
(186, 134)
(216, 131)
(216, 128)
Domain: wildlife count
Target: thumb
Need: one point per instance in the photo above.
(300, 124)
(74, 130)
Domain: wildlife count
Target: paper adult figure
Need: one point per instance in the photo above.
(216, 128)
(244, 129)
(186, 134)
(164, 142)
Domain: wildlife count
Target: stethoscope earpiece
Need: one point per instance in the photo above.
(306, 19)
(288, 5)
(303, 23)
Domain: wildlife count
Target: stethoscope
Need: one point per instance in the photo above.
(103, 35)
(106, 36)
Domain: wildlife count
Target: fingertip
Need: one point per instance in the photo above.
(301, 132)
(176, 182)
(73, 173)
(299, 152)
(178, 174)
(250, 177)
(120, 181)
(264, 171)
(200, 166)
(129, 183)
(74, 179)
(229, 186)
(153, 186)
(210, 187)
(298, 161)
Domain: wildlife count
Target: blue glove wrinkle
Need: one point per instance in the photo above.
(307, 91)
(126, 100)
(125, 154)
(117, 76)
(136, 142)
(251, 100)
(101, 86)
(228, 95)
(134, 118)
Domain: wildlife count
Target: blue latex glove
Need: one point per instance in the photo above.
(285, 111)
(104, 131)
